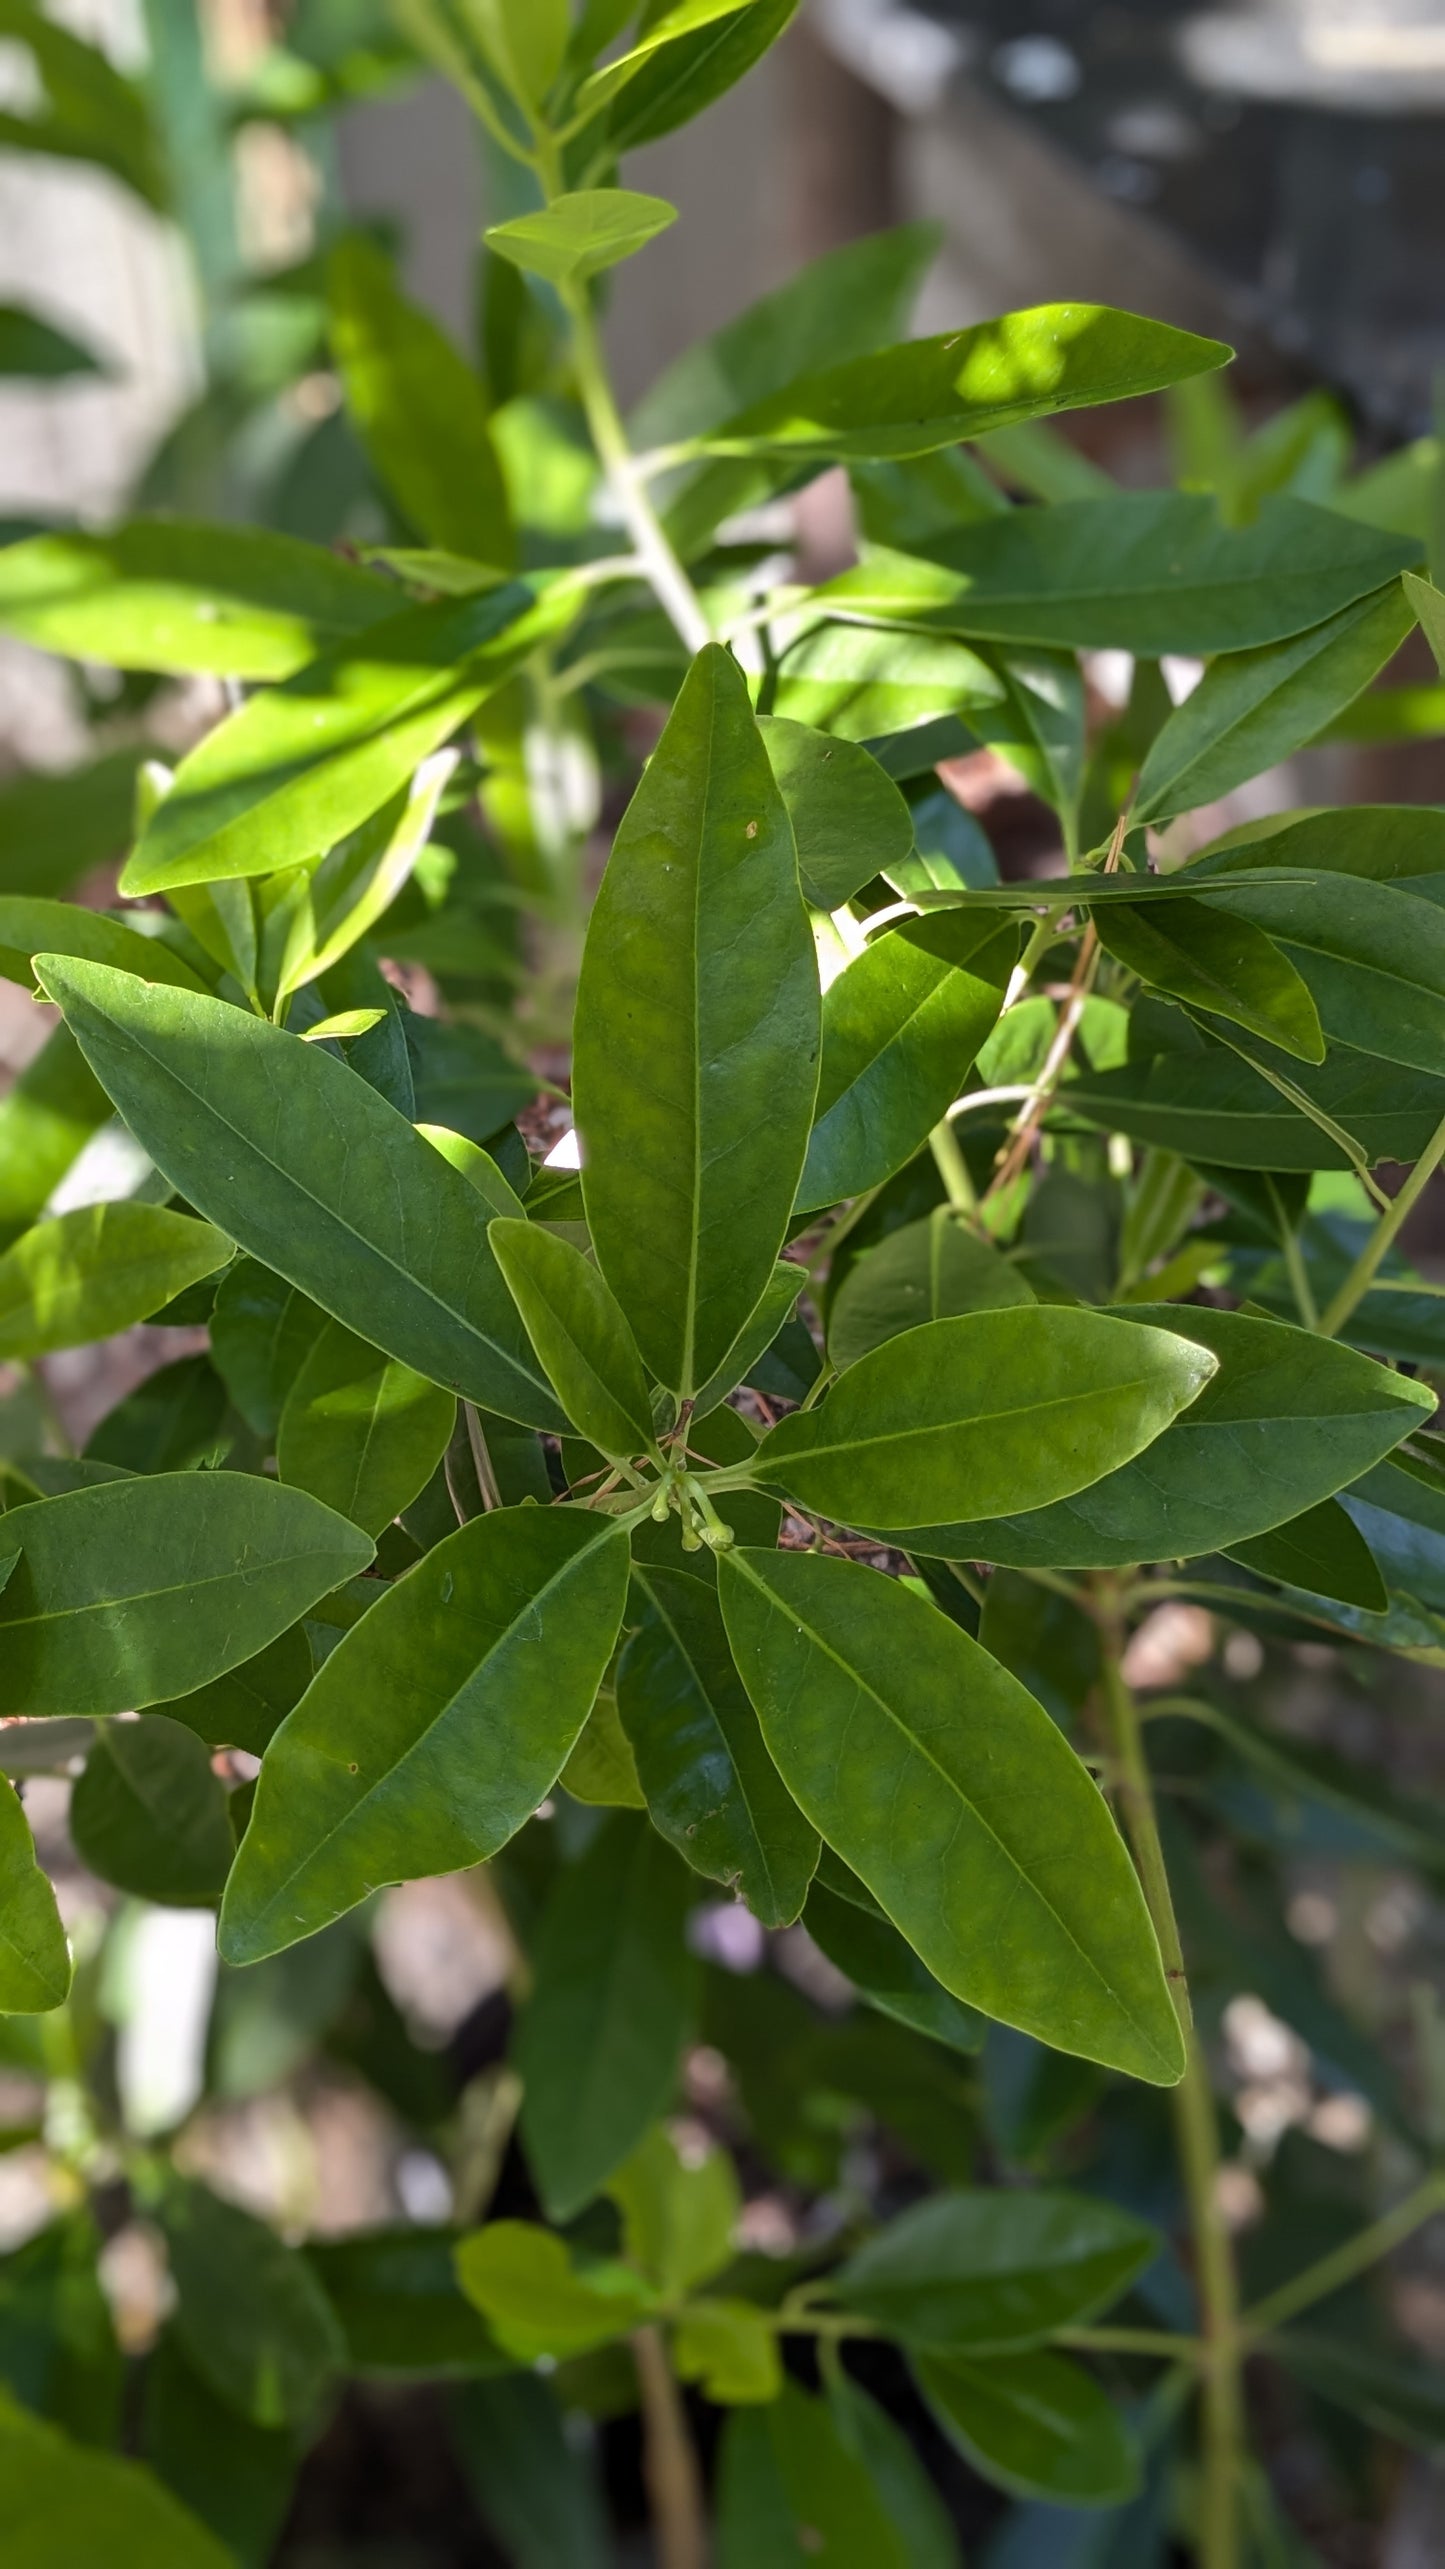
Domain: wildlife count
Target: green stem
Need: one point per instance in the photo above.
(670, 584)
(1342, 2264)
(952, 1167)
(674, 2483)
(1361, 1276)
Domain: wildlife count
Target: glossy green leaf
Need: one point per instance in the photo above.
(262, 1328)
(419, 410)
(245, 1707)
(913, 2505)
(343, 1027)
(1385, 842)
(1038, 2426)
(323, 1181)
(353, 887)
(753, 1339)
(674, 20)
(1211, 1108)
(238, 601)
(148, 1815)
(1288, 1418)
(601, 2036)
(1037, 1402)
(34, 1956)
(730, 2349)
(901, 1027)
(537, 2302)
(577, 236)
(982, 1837)
(361, 1431)
(574, 1322)
(1372, 955)
(1142, 571)
(1429, 605)
(936, 1269)
(63, 2502)
(300, 764)
(29, 927)
(137, 1590)
(971, 2272)
(696, 1036)
(1225, 964)
(88, 1274)
(1253, 708)
(436, 1725)
(790, 2492)
(1321, 1550)
(933, 392)
(849, 820)
(711, 1787)
(859, 681)
(678, 2214)
(686, 76)
(883, 1967)
(250, 2313)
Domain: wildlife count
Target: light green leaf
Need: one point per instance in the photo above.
(301, 764)
(686, 76)
(1253, 708)
(577, 236)
(849, 820)
(1429, 605)
(1037, 2425)
(91, 1273)
(360, 1431)
(1039, 1402)
(356, 883)
(137, 1590)
(344, 1027)
(730, 2349)
(250, 2314)
(678, 2214)
(29, 927)
(240, 602)
(696, 1036)
(575, 1324)
(322, 1180)
(602, 2034)
(711, 1787)
(1288, 1419)
(682, 18)
(435, 1727)
(148, 1815)
(537, 2302)
(858, 681)
(933, 392)
(1225, 964)
(419, 410)
(34, 1955)
(952, 1795)
(901, 1028)
(936, 1269)
(45, 1121)
(61, 2502)
(856, 1936)
(478, 1168)
(971, 2272)
(602, 1770)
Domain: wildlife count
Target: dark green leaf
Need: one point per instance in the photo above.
(912, 2504)
(937, 1269)
(1037, 2425)
(1321, 1550)
(237, 2477)
(250, 2313)
(463, 1080)
(1211, 1108)
(34, 1956)
(148, 1815)
(1224, 964)
(436, 1725)
(533, 2486)
(862, 1943)
(60, 2501)
(791, 2491)
(89, 1274)
(575, 1324)
(29, 926)
(244, 1708)
(1397, 2398)
(30, 347)
(753, 1340)
(984, 1840)
(401, 2309)
(361, 1431)
(972, 2272)
(1372, 954)
(174, 1420)
(262, 1329)
(849, 820)
(53, 829)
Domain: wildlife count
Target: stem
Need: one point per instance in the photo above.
(1357, 1283)
(1042, 1096)
(670, 584)
(1342, 2264)
(952, 1167)
(674, 2484)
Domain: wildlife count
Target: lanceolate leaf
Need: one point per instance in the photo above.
(316, 1175)
(436, 1726)
(949, 1791)
(883, 1967)
(34, 1956)
(1037, 2425)
(1036, 1401)
(1321, 1550)
(29, 927)
(1223, 964)
(361, 1431)
(86, 1275)
(584, 1342)
(684, 77)
(148, 1814)
(1372, 955)
(1215, 1110)
(137, 1590)
(697, 1035)
(711, 1786)
(849, 820)
(261, 1330)
(978, 2271)
(753, 1340)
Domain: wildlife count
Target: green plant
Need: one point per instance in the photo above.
(475, 1497)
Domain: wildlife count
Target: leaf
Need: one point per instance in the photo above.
(574, 1322)
(1279, 1428)
(300, 764)
(883, 1967)
(1429, 606)
(982, 1838)
(696, 1035)
(34, 349)
(927, 393)
(53, 829)
(60, 2500)
(1226, 965)
(753, 1340)
(978, 2271)
(137, 1590)
(849, 820)
(360, 1431)
(537, 2303)
(858, 681)
(171, 1422)
(233, 601)
(729, 2348)
(250, 2313)
(1035, 1401)
(936, 1269)
(148, 1815)
(354, 886)
(418, 408)
(245, 1707)
(1253, 708)
(401, 2309)
(577, 236)
(1372, 955)
(319, 1178)
(666, 27)
(1320, 1550)
(462, 1079)
(1037, 2425)
(1212, 1108)
(436, 1725)
(261, 1330)
(237, 2477)
(790, 2491)
(901, 1027)
(1142, 571)
(911, 2502)
(601, 2036)
(29, 927)
(46, 1119)
(34, 1955)
(678, 2214)
(1398, 2399)
(686, 76)
(711, 1787)
(92, 1273)
(537, 2492)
